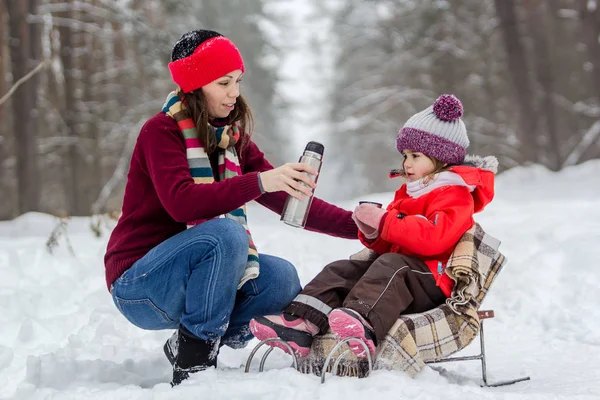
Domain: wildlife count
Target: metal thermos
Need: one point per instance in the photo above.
(295, 212)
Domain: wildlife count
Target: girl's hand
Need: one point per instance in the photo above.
(370, 233)
(292, 178)
(369, 215)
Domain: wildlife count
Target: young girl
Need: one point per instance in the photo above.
(194, 162)
(413, 238)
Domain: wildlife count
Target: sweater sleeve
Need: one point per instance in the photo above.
(164, 154)
(447, 217)
(323, 217)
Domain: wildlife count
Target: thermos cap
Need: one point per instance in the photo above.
(315, 147)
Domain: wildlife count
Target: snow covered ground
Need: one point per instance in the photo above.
(62, 338)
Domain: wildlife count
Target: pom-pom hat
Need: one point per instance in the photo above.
(199, 57)
(437, 131)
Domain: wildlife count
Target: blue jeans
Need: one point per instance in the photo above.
(191, 280)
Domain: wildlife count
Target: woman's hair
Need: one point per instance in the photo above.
(197, 106)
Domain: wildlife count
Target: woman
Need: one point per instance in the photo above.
(194, 162)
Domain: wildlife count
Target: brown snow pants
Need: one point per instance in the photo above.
(379, 290)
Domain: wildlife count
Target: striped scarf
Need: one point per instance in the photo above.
(199, 163)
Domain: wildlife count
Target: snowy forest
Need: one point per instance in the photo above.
(80, 77)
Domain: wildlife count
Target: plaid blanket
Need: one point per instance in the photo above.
(418, 338)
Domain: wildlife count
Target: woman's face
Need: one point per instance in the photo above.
(222, 93)
(416, 165)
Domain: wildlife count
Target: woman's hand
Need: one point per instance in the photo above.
(292, 178)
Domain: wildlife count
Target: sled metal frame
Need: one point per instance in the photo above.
(483, 315)
(341, 357)
(261, 366)
(328, 360)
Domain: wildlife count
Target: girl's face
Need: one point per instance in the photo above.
(222, 93)
(416, 165)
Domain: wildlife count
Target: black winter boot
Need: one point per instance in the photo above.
(193, 355)
(171, 346)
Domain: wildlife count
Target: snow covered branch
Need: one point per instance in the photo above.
(587, 139)
(22, 80)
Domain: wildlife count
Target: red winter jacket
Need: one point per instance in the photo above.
(161, 196)
(429, 226)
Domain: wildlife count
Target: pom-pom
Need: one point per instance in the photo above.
(448, 107)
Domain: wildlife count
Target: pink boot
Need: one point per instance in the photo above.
(346, 323)
(296, 331)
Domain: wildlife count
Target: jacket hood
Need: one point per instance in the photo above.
(479, 172)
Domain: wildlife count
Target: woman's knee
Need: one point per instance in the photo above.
(280, 279)
(290, 278)
(227, 231)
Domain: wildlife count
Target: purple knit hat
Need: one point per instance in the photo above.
(437, 131)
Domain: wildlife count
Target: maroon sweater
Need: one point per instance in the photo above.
(161, 196)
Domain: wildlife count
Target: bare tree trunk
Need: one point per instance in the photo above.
(120, 62)
(35, 53)
(545, 75)
(517, 67)
(563, 36)
(6, 205)
(554, 7)
(3, 88)
(590, 24)
(91, 65)
(56, 170)
(69, 114)
(140, 66)
(28, 185)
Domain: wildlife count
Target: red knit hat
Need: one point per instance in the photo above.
(199, 57)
